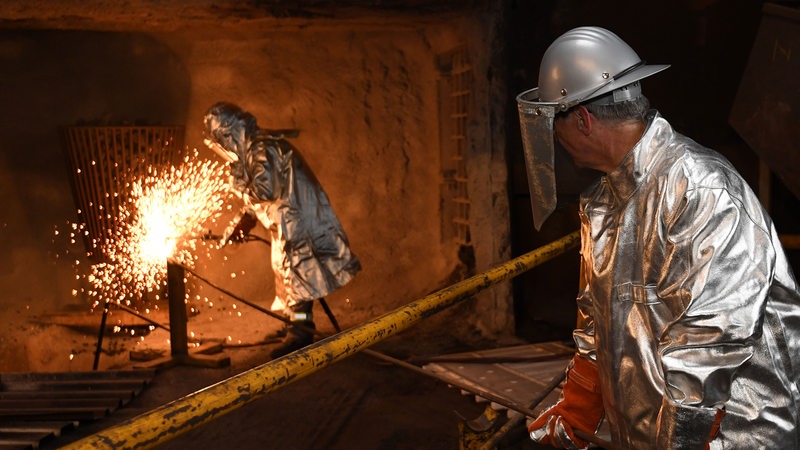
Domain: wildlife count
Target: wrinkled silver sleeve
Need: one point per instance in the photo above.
(689, 303)
(311, 254)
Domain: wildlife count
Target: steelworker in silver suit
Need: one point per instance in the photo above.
(311, 255)
(689, 314)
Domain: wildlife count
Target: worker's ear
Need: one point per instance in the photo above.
(585, 120)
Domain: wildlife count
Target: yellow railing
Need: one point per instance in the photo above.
(175, 418)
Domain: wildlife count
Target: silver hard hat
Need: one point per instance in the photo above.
(586, 63)
(583, 65)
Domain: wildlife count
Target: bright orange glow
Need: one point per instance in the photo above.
(162, 219)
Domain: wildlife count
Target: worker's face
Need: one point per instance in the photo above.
(565, 130)
(570, 133)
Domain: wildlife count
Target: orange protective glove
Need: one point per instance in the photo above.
(580, 407)
(715, 428)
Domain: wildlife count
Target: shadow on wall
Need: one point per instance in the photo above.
(51, 79)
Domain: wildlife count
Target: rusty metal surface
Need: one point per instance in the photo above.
(517, 382)
(39, 407)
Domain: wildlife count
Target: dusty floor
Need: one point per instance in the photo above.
(356, 403)
(359, 402)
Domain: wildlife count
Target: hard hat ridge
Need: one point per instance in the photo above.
(588, 62)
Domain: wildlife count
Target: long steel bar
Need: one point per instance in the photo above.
(100, 337)
(133, 312)
(176, 294)
(175, 418)
(255, 306)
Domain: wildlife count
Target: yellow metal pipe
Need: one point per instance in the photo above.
(175, 418)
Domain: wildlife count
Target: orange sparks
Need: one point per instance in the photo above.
(161, 219)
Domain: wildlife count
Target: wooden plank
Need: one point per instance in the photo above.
(35, 402)
(54, 428)
(63, 413)
(89, 375)
(194, 359)
(206, 348)
(33, 439)
(74, 385)
(207, 355)
(124, 396)
(37, 407)
(11, 445)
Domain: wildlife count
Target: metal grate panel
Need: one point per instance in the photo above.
(103, 160)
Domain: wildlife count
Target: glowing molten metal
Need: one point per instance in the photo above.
(162, 218)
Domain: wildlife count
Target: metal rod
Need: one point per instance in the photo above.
(100, 337)
(230, 294)
(487, 359)
(140, 315)
(176, 294)
(175, 418)
(330, 315)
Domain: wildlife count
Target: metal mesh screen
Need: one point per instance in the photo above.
(103, 160)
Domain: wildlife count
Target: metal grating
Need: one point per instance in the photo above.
(38, 408)
(521, 375)
(103, 159)
(517, 374)
(454, 98)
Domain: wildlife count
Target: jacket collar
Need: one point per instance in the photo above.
(623, 181)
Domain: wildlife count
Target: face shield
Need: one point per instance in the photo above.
(581, 65)
(230, 157)
(226, 129)
(536, 125)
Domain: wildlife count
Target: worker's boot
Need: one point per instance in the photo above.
(277, 335)
(296, 337)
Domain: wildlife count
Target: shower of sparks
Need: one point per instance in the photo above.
(161, 219)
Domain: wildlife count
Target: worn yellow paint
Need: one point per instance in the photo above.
(173, 419)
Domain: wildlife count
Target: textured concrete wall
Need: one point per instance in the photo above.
(362, 94)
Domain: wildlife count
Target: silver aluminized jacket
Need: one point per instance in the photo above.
(689, 304)
(311, 254)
